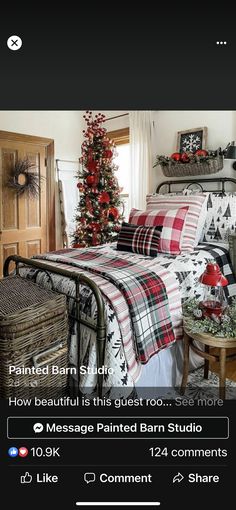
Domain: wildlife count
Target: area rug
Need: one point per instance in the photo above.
(198, 387)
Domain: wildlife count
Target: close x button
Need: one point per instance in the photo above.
(14, 42)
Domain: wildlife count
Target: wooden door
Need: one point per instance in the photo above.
(24, 221)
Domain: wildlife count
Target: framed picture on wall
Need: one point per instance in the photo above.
(192, 139)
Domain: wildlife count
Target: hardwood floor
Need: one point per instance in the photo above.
(230, 366)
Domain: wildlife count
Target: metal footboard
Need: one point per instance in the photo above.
(78, 278)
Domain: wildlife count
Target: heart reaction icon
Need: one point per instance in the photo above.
(23, 451)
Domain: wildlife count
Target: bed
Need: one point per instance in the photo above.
(101, 327)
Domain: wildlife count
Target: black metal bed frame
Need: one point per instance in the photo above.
(79, 278)
(220, 180)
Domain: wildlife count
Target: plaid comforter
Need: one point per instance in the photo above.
(142, 290)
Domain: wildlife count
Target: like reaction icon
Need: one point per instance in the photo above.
(26, 478)
(13, 451)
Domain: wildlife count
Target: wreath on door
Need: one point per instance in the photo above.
(23, 179)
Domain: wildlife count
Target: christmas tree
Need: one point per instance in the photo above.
(227, 213)
(211, 231)
(98, 215)
(217, 235)
(209, 203)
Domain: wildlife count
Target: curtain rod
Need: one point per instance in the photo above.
(117, 116)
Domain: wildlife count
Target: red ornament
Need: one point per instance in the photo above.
(95, 183)
(95, 226)
(80, 187)
(113, 211)
(104, 198)
(201, 152)
(176, 156)
(90, 180)
(92, 166)
(107, 154)
(184, 157)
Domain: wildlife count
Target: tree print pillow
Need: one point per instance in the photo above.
(221, 217)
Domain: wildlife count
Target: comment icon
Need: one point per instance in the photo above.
(89, 477)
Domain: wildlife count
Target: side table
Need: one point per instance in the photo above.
(207, 341)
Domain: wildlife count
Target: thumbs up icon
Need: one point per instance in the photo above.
(26, 478)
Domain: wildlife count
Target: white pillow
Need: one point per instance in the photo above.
(221, 217)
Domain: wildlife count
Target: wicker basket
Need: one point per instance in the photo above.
(33, 333)
(211, 166)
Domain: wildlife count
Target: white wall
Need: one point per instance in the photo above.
(63, 126)
(221, 130)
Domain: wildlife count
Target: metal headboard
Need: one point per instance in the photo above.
(198, 182)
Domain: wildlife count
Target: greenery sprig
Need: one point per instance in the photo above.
(224, 326)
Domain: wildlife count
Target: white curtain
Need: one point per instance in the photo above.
(141, 156)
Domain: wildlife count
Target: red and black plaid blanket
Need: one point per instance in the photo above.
(143, 290)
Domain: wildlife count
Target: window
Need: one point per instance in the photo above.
(122, 160)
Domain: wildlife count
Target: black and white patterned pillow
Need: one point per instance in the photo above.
(221, 217)
(139, 239)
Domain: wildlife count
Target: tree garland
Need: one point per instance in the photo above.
(224, 326)
(166, 160)
(23, 180)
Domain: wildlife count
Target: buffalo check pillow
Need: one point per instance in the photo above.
(139, 239)
(172, 222)
(193, 221)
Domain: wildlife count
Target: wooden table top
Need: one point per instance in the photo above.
(212, 340)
